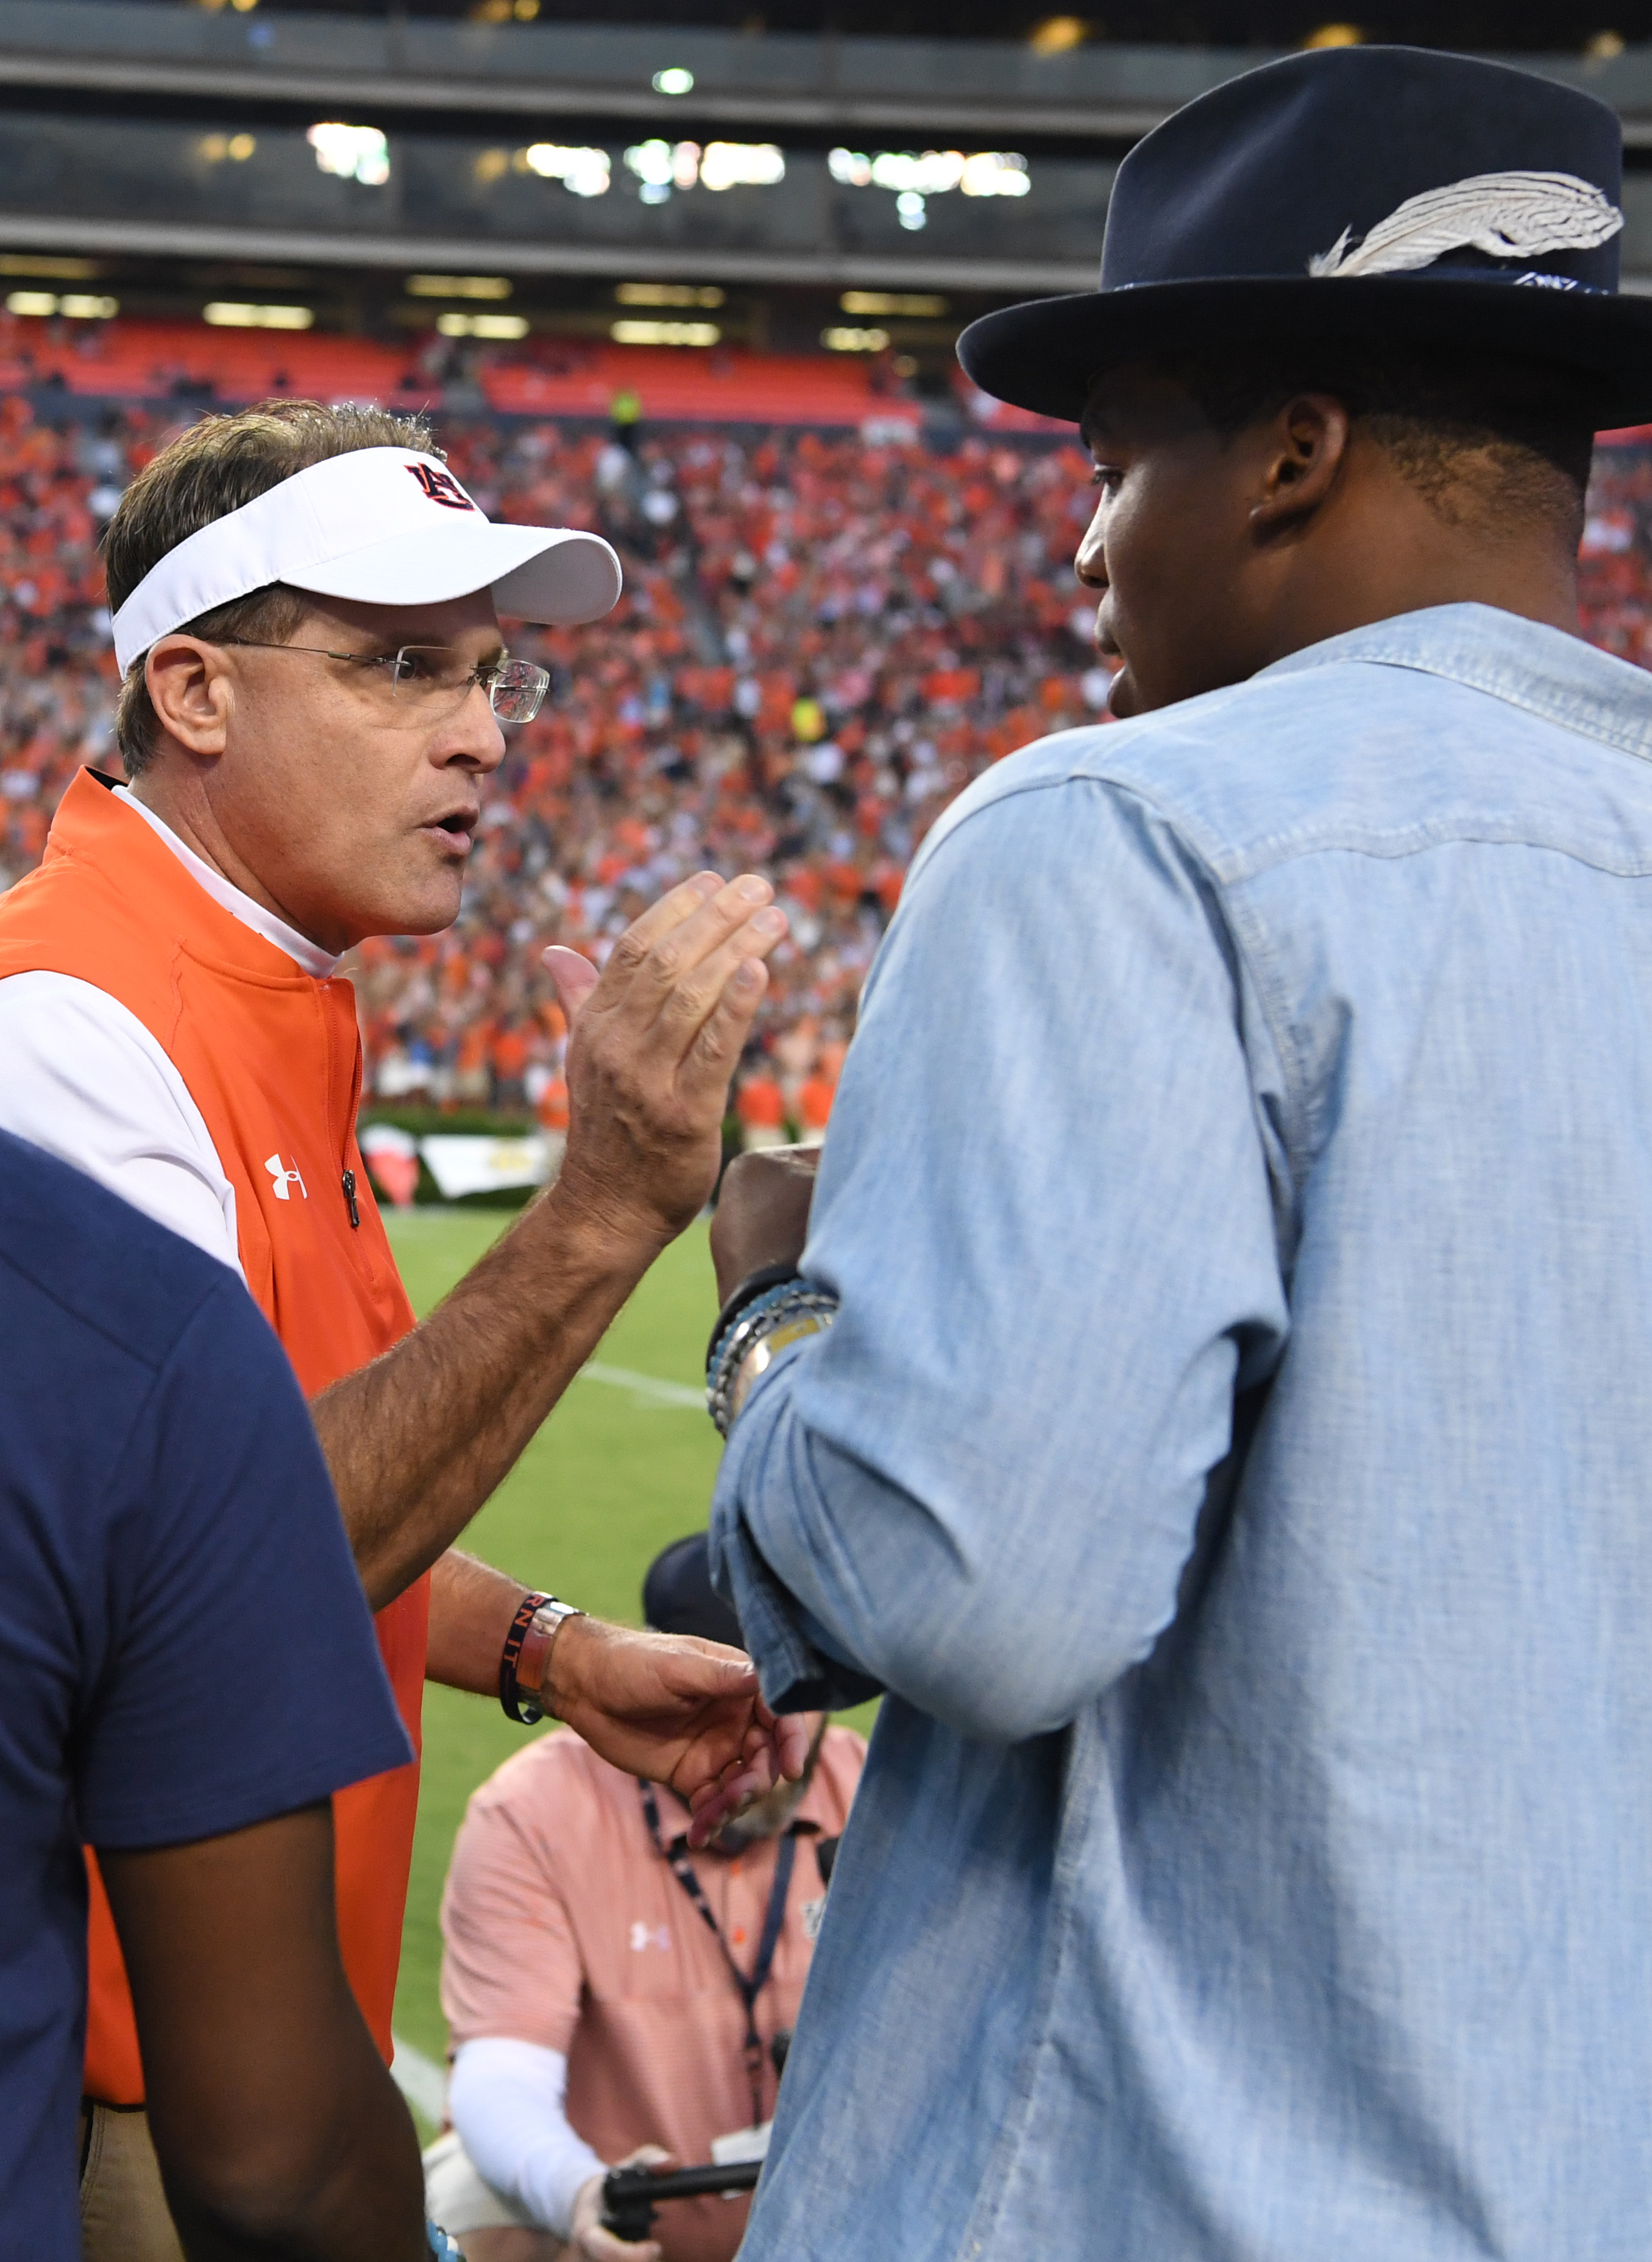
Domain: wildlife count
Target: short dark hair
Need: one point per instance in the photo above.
(1520, 426)
(215, 467)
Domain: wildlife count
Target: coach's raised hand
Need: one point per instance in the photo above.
(655, 1040)
(417, 1441)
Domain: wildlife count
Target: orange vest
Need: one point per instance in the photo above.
(272, 1060)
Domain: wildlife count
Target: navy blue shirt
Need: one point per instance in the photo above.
(161, 1494)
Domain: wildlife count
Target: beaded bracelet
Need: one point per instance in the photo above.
(742, 1296)
(743, 1306)
(779, 1316)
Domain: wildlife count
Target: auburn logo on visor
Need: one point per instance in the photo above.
(441, 486)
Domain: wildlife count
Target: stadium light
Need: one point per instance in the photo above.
(213, 148)
(742, 165)
(78, 305)
(664, 333)
(662, 166)
(916, 178)
(455, 325)
(1058, 35)
(37, 263)
(354, 152)
(232, 315)
(920, 305)
(996, 173)
(673, 81)
(668, 294)
(847, 341)
(582, 172)
(457, 287)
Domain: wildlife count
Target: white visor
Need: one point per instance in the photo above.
(383, 526)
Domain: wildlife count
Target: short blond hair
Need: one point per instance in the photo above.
(215, 467)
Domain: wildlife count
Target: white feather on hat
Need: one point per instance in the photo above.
(1508, 215)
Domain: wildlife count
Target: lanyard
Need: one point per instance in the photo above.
(751, 1984)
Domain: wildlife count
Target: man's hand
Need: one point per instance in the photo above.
(588, 2240)
(418, 1439)
(680, 1711)
(655, 1038)
(763, 1212)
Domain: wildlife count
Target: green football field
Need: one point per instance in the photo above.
(618, 1471)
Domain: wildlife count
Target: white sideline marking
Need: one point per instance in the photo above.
(648, 1387)
(420, 2079)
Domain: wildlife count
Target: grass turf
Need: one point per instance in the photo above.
(610, 1478)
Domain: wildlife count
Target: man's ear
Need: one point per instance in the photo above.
(1303, 452)
(189, 690)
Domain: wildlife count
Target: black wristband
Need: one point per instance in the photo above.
(510, 1695)
(754, 1284)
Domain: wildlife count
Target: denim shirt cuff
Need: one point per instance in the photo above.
(798, 1673)
(798, 1663)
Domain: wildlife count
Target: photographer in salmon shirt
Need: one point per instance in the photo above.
(614, 1997)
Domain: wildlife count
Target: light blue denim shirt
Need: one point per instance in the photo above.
(1234, 1457)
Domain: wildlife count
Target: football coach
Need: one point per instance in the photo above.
(306, 606)
(1231, 1446)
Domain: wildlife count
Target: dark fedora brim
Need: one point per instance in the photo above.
(1047, 354)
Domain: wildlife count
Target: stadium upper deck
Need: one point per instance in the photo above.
(184, 156)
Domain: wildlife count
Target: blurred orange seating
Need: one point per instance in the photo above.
(132, 360)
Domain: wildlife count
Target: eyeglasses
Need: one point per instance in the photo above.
(433, 679)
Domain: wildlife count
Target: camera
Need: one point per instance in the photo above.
(631, 2196)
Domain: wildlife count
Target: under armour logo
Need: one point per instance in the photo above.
(441, 486)
(649, 1936)
(285, 1179)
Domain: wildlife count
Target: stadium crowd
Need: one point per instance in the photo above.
(824, 638)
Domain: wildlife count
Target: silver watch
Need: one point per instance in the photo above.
(533, 1664)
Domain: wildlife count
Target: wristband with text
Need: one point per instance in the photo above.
(524, 1659)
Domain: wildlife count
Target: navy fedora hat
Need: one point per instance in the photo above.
(1361, 195)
